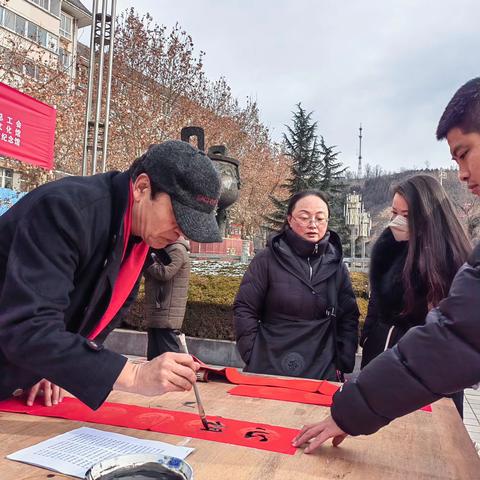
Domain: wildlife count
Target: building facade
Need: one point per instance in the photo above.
(34, 35)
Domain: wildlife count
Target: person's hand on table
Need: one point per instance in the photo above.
(169, 372)
(52, 394)
(318, 433)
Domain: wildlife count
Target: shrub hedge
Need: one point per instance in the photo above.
(209, 309)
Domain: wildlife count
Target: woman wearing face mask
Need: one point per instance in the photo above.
(281, 311)
(412, 263)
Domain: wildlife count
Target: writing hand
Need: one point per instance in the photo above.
(169, 372)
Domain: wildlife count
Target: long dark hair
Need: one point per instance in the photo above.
(298, 196)
(437, 245)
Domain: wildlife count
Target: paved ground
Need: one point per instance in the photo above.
(471, 414)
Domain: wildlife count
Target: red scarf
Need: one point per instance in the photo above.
(128, 274)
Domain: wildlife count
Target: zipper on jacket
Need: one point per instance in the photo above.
(310, 267)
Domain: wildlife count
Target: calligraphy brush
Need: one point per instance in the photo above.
(201, 410)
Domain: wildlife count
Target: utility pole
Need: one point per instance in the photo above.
(359, 170)
(96, 129)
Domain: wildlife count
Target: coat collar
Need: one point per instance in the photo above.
(287, 258)
(304, 248)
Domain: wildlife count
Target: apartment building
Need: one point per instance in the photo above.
(33, 34)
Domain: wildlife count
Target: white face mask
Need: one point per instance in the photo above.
(399, 227)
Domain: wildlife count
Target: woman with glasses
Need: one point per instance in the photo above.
(412, 264)
(295, 312)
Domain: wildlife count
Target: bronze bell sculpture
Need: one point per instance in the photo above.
(226, 166)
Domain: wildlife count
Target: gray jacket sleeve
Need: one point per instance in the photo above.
(163, 273)
(430, 361)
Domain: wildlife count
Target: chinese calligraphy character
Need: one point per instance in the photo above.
(259, 433)
(216, 427)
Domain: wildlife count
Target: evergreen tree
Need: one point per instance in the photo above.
(333, 184)
(333, 171)
(301, 146)
(314, 165)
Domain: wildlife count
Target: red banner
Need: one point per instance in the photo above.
(221, 429)
(27, 128)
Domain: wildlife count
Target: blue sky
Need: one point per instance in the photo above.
(391, 66)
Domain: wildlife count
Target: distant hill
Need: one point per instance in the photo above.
(377, 197)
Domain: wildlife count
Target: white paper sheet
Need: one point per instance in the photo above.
(74, 452)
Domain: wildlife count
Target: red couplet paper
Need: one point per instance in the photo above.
(235, 376)
(205, 371)
(327, 388)
(27, 128)
(224, 430)
(321, 386)
(289, 395)
(284, 394)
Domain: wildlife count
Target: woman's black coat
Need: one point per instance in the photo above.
(280, 313)
(387, 298)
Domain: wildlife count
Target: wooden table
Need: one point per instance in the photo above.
(419, 446)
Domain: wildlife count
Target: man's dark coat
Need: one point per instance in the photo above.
(60, 253)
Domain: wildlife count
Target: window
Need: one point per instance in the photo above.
(52, 42)
(41, 3)
(6, 178)
(32, 32)
(20, 25)
(31, 70)
(29, 30)
(42, 37)
(9, 20)
(64, 58)
(66, 22)
(52, 6)
(55, 7)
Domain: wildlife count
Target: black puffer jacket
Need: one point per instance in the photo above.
(280, 309)
(430, 361)
(384, 319)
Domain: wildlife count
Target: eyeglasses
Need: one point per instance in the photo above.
(306, 221)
